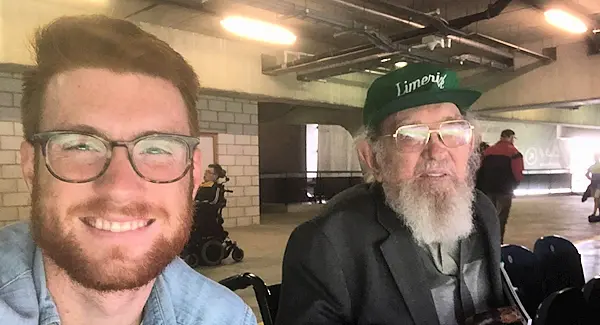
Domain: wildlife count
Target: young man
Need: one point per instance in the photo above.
(417, 246)
(500, 174)
(110, 155)
(593, 174)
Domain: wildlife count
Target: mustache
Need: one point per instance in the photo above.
(100, 207)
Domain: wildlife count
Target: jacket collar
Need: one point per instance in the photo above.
(400, 253)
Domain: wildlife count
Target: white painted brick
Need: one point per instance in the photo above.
(250, 150)
(204, 126)
(8, 185)
(250, 129)
(234, 150)
(254, 140)
(252, 211)
(6, 74)
(226, 117)
(8, 157)
(243, 160)
(19, 129)
(242, 118)
(10, 142)
(251, 108)
(201, 104)
(254, 161)
(250, 170)
(224, 138)
(244, 221)
(251, 191)
(11, 171)
(255, 180)
(11, 85)
(243, 181)
(236, 171)
(216, 105)
(232, 180)
(235, 107)
(15, 199)
(233, 202)
(209, 116)
(227, 160)
(235, 128)
(254, 119)
(237, 191)
(256, 200)
(256, 220)
(242, 139)
(18, 157)
(22, 186)
(9, 214)
(236, 212)
(17, 100)
(225, 213)
(217, 126)
(24, 213)
(230, 223)
(6, 99)
(7, 128)
(244, 201)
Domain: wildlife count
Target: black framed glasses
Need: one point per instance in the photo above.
(79, 157)
(412, 138)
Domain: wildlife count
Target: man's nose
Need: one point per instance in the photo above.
(120, 179)
(435, 148)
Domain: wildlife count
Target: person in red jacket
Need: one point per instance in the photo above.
(501, 172)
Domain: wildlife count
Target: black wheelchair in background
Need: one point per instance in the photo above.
(266, 296)
(209, 243)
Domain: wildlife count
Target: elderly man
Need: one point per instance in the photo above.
(110, 155)
(418, 245)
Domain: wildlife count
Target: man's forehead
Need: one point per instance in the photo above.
(427, 114)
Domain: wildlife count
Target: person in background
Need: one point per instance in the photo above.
(416, 245)
(111, 157)
(593, 174)
(500, 173)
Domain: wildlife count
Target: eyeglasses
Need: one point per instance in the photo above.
(76, 157)
(412, 138)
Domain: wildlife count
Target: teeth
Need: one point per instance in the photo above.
(117, 226)
(435, 175)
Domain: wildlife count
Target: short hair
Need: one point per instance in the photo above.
(97, 41)
(219, 171)
(507, 133)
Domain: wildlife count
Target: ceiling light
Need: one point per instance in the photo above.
(565, 21)
(401, 64)
(385, 60)
(258, 30)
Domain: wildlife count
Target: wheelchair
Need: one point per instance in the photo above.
(209, 243)
(266, 296)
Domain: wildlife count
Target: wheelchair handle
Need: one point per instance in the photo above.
(228, 191)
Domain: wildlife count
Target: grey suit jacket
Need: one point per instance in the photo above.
(357, 263)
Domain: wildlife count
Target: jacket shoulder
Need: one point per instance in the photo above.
(16, 252)
(199, 300)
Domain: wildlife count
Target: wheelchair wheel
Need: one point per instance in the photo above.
(192, 260)
(237, 254)
(212, 252)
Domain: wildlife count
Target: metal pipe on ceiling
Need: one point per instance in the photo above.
(515, 47)
(481, 46)
(378, 13)
(492, 11)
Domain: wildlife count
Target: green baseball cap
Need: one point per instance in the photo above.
(415, 85)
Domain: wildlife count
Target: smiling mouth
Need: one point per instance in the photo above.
(114, 226)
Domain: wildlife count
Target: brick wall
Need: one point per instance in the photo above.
(15, 203)
(235, 121)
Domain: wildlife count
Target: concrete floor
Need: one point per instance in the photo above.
(531, 218)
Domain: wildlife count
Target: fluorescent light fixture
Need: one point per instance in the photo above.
(566, 21)
(401, 64)
(375, 72)
(385, 60)
(258, 30)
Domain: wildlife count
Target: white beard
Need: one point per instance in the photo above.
(434, 213)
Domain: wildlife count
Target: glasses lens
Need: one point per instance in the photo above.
(412, 137)
(75, 157)
(161, 158)
(456, 133)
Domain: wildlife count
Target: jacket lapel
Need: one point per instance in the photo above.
(400, 253)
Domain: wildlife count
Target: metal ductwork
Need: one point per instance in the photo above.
(310, 67)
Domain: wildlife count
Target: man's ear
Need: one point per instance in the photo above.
(196, 171)
(366, 155)
(28, 163)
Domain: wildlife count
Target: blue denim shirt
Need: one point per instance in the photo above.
(180, 296)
